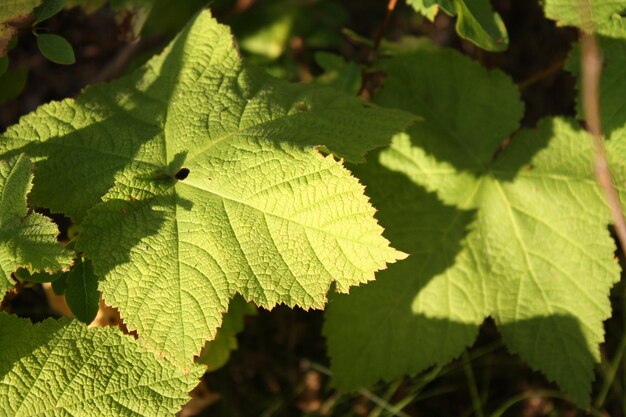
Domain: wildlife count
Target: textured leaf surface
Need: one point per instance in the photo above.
(521, 236)
(215, 187)
(60, 368)
(605, 14)
(27, 240)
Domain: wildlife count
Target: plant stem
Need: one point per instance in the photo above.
(611, 372)
(391, 5)
(591, 67)
(473, 388)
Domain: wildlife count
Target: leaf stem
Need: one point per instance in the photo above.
(473, 388)
(611, 372)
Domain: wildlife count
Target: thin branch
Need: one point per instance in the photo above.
(543, 74)
(391, 5)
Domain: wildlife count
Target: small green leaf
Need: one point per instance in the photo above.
(445, 5)
(428, 11)
(81, 293)
(4, 64)
(56, 48)
(48, 9)
(477, 23)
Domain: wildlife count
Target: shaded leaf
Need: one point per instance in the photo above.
(48, 9)
(526, 239)
(81, 292)
(56, 48)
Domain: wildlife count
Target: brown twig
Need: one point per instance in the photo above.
(370, 81)
(591, 68)
(544, 73)
(391, 5)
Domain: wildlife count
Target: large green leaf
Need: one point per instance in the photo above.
(61, 368)
(27, 240)
(212, 183)
(519, 234)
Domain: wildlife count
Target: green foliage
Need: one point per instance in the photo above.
(48, 9)
(61, 368)
(475, 22)
(603, 15)
(27, 240)
(81, 293)
(206, 192)
(513, 234)
(200, 187)
(429, 11)
(56, 48)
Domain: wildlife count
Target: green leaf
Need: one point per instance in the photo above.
(48, 9)
(207, 181)
(27, 240)
(476, 22)
(81, 292)
(520, 234)
(428, 11)
(446, 5)
(605, 15)
(61, 368)
(216, 352)
(56, 48)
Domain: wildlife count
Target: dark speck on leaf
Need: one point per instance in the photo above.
(182, 174)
